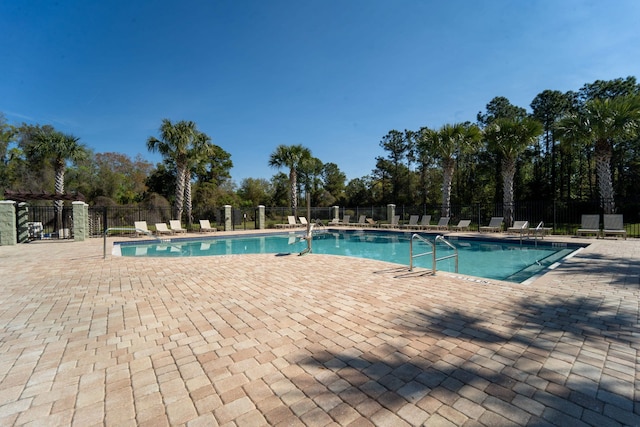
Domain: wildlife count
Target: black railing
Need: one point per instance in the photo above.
(55, 224)
(561, 217)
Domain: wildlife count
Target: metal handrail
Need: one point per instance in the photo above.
(452, 246)
(433, 251)
(137, 230)
(309, 238)
(536, 230)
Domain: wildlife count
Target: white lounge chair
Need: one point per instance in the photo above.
(613, 226)
(372, 223)
(291, 223)
(463, 225)
(443, 224)
(35, 230)
(161, 228)
(176, 226)
(495, 224)
(205, 226)
(141, 228)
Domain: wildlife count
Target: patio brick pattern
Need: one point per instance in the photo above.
(313, 341)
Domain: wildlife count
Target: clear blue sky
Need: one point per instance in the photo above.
(332, 75)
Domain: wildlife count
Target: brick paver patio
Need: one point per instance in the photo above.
(313, 341)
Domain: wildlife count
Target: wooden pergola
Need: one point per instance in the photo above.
(27, 196)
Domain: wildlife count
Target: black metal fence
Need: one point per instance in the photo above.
(48, 222)
(562, 217)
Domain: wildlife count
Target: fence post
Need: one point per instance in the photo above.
(8, 222)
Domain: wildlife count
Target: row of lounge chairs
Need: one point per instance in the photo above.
(415, 223)
(424, 223)
(174, 227)
(291, 222)
(613, 226)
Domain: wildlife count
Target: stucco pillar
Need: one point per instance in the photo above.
(228, 220)
(261, 218)
(80, 221)
(8, 223)
(336, 212)
(391, 212)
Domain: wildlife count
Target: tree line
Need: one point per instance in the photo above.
(575, 145)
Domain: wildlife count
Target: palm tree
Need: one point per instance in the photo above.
(197, 157)
(601, 124)
(175, 143)
(60, 148)
(509, 138)
(291, 156)
(447, 144)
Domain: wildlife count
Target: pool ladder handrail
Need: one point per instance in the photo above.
(433, 251)
(136, 230)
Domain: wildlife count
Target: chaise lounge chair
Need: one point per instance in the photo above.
(443, 224)
(590, 224)
(345, 220)
(463, 225)
(393, 223)
(613, 226)
(362, 221)
(161, 228)
(291, 222)
(372, 223)
(413, 222)
(35, 230)
(141, 228)
(540, 230)
(176, 226)
(495, 225)
(519, 227)
(425, 221)
(205, 226)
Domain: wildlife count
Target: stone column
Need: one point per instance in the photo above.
(80, 221)
(8, 223)
(261, 218)
(336, 212)
(228, 222)
(391, 212)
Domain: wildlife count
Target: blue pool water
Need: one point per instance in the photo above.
(491, 259)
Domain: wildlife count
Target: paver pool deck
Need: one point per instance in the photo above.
(315, 340)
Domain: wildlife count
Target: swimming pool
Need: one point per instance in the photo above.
(487, 258)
